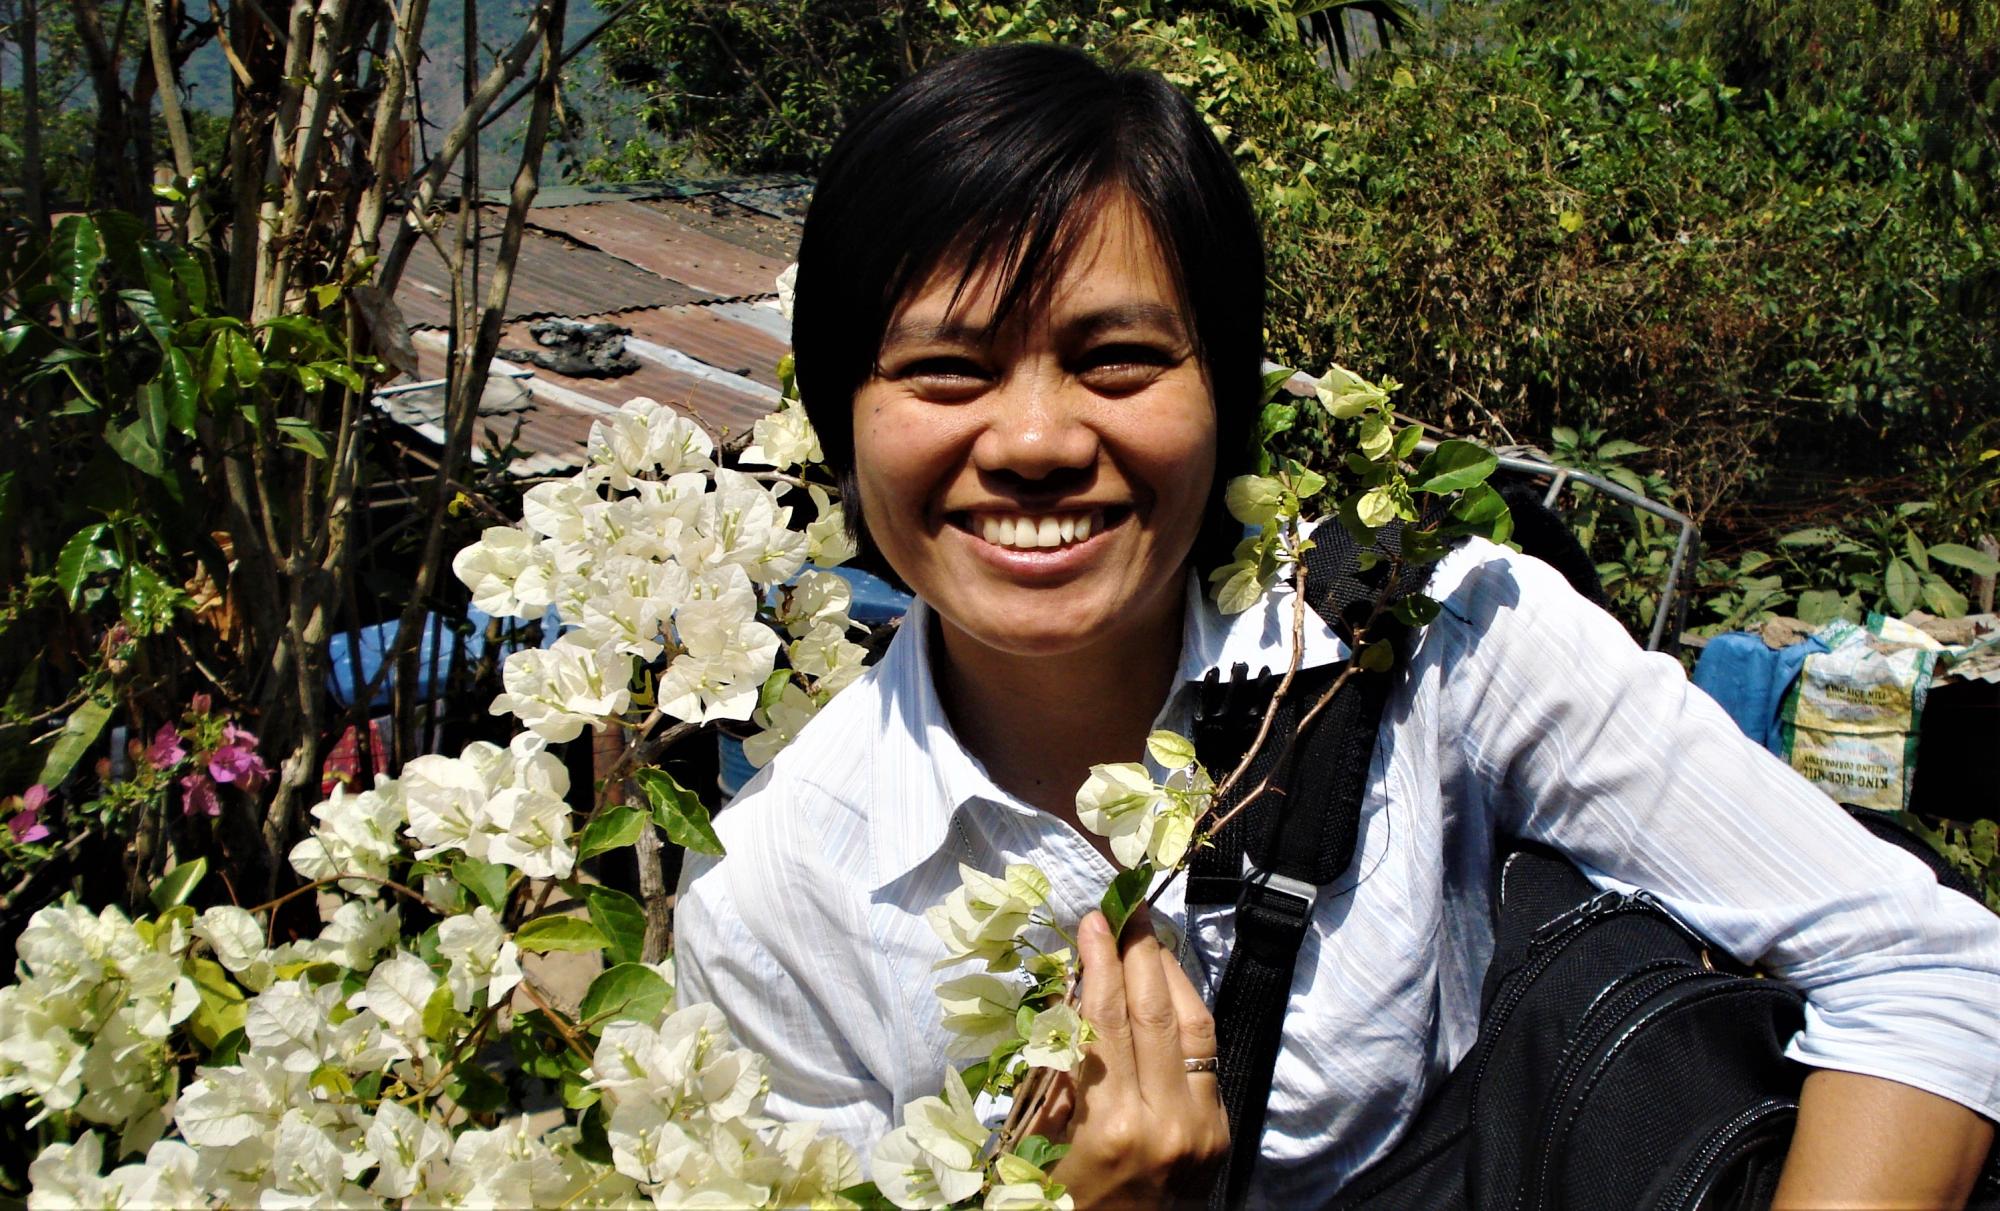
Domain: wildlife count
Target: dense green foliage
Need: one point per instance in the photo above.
(1756, 239)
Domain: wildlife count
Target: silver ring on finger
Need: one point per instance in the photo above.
(1205, 1064)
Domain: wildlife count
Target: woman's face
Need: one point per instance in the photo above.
(1041, 488)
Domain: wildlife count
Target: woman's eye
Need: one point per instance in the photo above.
(943, 377)
(1122, 369)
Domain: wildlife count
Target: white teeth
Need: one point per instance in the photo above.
(1031, 533)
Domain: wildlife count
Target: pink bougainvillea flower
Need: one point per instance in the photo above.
(167, 750)
(26, 825)
(199, 795)
(237, 759)
(200, 704)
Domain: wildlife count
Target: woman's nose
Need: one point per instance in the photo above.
(1036, 426)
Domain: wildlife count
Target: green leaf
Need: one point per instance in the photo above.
(245, 363)
(867, 1197)
(1619, 448)
(1416, 610)
(1960, 556)
(1377, 657)
(83, 556)
(78, 253)
(679, 811)
(1480, 505)
(221, 1007)
(1901, 586)
(487, 881)
(1915, 549)
(1171, 749)
(441, 1016)
(135, 445)
(621, 920)
(559, 933)
(1817, 607)
(1943, 600)
(476, 1089)
(181, 388)
(1406, 441)
(614, 828)
(1814, 536)
(1455, 465)
(340, 372)
(1041, 1152)
(79, 732)
(295, 432)
(629, 991)
(178, 885)
(1126, 893)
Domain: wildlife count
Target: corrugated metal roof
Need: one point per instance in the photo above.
(689, 267)
(659, 239)
(713, 334)
(553, 276)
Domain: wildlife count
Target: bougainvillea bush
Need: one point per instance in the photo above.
(410, 1054)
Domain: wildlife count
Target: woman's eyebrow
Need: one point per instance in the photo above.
(952, 332)
(1128, 315)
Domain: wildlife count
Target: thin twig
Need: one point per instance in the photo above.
(556, 1019)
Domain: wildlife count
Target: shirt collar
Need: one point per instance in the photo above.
(934, 776)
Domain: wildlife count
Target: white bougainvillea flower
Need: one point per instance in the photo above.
(685, 1061)
(828, 542)
(558, 691)
(1346, 394)
(826, 655)
(628, 604)
(483, 957)
(985, 917)
(398, 991)
(356, 835)
(645, 438)
(1056, 1039)
(934, 1158)
(236, 937)
(231, 1105)
(979, 1011)
(727, 654)
(360, 930)
(445, 798)
(781, 721)
(497, 569)
(815, 598)
(1117, 802)
(783, 439)
(1020, 1186)
(788, 290)
(404, 1147)
(557, 509)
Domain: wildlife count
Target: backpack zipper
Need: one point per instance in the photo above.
(1584, 1056)
(1720, 1141)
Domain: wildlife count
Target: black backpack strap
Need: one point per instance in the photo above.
(1300, 835)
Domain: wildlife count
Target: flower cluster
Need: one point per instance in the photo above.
(207, 751)
(656, 558)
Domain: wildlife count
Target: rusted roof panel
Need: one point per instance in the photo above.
(722, 400)
(710, 334)
(773, 236)
(652, 238)
(553, 276)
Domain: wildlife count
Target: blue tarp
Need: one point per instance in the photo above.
(1749, 678)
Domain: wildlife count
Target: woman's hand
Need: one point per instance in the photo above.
(1143, 1131)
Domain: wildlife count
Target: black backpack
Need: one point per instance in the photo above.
(1621, 1061)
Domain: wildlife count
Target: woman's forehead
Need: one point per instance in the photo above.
(1109, 271)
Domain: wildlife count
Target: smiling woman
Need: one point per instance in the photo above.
(1028, 331)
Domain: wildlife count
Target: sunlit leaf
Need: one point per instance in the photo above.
(629, 991)
(559, 933)
(679, 811)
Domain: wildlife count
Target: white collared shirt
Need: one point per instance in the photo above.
(1523, 710)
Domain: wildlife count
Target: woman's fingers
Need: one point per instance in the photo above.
(1151, 1012)
(1104, 997)
(1197, 1025)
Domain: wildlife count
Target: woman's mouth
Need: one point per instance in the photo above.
(1038, 531)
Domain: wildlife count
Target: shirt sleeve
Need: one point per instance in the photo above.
(724, 956)
(1606, 752)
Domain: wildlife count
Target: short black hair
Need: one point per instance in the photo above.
(1000, 156)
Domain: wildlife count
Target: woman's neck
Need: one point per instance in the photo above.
(1038, 723)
